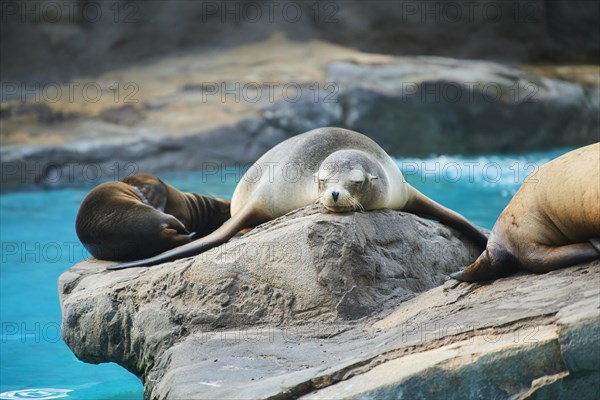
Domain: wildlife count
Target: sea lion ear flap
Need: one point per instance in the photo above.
(371, 177)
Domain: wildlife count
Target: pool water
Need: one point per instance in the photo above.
(39, 242)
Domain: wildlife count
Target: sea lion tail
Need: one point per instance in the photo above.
(244, 218)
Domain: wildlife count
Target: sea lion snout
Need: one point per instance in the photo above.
(339, 199)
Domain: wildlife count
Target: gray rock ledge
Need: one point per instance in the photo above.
(338, 306)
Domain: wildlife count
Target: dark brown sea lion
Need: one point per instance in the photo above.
(552, 222)
(142, 216)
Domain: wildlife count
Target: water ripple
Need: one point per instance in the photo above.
(38, 394)
(504, 172)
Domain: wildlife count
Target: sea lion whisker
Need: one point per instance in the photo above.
(359, 205)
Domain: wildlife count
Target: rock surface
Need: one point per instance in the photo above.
(196, 112)
(338, 306)
(307, 266)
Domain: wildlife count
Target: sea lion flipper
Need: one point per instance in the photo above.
(549, 258)
(420, 204)
(554, 223)
(596, 243)
(246, 217)
(495, 262)
(173, 224)
(152, 190)
(483, 269)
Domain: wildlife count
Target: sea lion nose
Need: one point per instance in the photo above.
(335, 195)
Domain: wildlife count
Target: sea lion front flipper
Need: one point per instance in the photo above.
(175, 233)
(422, 205)
(246, 217)
(151, 190)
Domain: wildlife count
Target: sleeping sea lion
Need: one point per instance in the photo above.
(142, 216)
(553, 221)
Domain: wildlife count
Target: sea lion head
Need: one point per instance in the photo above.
(347, 181)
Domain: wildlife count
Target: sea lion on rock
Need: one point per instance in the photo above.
(352, 173)
(553, 221)
(142, 216)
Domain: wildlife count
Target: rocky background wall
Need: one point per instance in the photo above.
(132, 86)
(46, 39)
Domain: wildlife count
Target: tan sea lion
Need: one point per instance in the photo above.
(142, 216)
(552, 222)
(340, 169)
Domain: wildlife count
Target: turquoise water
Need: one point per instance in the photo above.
(39, 242)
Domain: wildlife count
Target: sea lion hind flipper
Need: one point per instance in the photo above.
(480, 270)
(247, 216)
(420, 204)
(596, 243)
(490, 265)
(549, 258)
